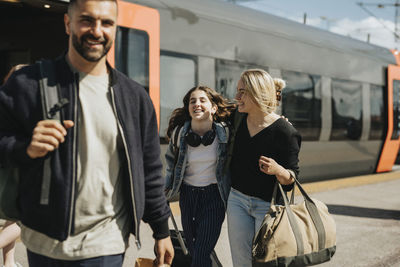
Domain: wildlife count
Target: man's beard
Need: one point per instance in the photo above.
(90, 55)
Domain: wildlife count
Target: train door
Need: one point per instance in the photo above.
(136, 51)
(392, 141)
(30, 30)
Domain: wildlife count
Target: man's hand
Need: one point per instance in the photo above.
(47, 136)
(286, 119)
(164, 252)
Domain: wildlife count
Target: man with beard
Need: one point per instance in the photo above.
(105, 162)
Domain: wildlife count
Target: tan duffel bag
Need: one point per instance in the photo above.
(295, 234)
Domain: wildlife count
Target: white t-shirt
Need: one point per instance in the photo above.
(201, 165)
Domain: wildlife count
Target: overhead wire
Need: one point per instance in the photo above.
(373, 15)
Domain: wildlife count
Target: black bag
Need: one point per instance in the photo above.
(182, 257)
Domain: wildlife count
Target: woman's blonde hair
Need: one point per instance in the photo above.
(264, 90)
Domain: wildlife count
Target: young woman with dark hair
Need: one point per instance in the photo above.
(195, 168)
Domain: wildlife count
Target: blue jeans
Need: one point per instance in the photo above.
(36, 260)
(245, 215)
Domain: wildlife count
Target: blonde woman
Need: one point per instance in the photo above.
(265, 151)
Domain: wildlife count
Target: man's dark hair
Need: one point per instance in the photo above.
(72, 3)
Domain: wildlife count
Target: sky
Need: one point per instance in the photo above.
(339, 16)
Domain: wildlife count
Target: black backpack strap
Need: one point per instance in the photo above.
(176, 134)
(50, 92)
(51, 106)
(175, 138)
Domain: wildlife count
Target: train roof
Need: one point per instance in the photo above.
(264, 23)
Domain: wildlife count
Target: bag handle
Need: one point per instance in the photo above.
(178, 234)
(273, 201)
(312, 209)
(291, 217)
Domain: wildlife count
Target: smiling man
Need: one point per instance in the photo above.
(91, 27)
(105, 156)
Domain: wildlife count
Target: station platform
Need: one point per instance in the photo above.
(367, 214)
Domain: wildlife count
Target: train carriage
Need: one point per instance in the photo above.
(342, 94)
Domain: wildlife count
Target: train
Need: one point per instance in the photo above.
(342, 94)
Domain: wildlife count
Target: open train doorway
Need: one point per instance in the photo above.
(30, 30)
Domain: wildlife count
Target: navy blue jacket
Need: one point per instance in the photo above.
(21, 110)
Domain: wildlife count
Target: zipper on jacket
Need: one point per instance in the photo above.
(137, 239)
(74, 153)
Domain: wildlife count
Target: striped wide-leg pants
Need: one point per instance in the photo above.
(202, 213)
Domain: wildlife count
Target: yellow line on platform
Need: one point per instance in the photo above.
(350, 181)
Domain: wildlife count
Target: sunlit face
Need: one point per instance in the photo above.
(200, 107)
(244, 102)
(91, 27)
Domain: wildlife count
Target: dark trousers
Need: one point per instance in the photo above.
(36, 260)
(202, 216)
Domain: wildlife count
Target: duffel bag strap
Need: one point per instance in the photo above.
(292, 219)
(313, 210)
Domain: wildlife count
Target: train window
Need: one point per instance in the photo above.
(132, 54)
(346, 110)
(178, 75)
(396, 109)
(227, 74)
(377, 112)
(301, 103)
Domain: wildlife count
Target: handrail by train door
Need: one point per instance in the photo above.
(392, 140)
(142, 18)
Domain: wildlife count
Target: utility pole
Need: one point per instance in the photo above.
(396, 21)
(396, 5)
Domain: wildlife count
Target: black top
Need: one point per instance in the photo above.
(279, 141)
